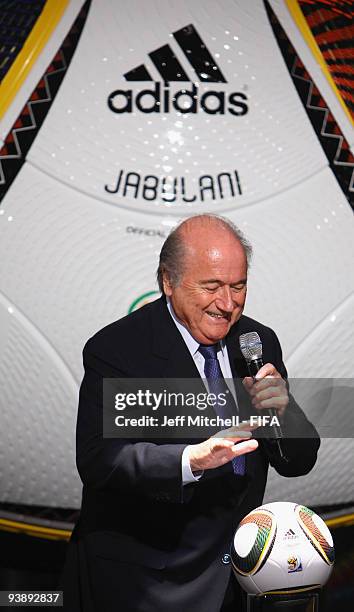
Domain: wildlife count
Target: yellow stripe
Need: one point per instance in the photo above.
(341, 521)
(292, 591)
(305, 30)
(35, 530)
(64, 534)
(35, 42)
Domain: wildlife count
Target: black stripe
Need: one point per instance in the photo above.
(308, 9)
(198, 55)
(337, 44)
(311, 9)
(329, 25)
(346, 88)
(342, 75)
(168, 65)
(140, 73)
(341, 60)
(343, 9)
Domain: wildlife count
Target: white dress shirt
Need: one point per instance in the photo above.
(223, 359)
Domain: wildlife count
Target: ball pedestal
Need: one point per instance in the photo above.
(285, 601)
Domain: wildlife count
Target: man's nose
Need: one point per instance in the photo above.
(224, 299)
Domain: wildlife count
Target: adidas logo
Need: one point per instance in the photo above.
(290, 535)
(162, 98)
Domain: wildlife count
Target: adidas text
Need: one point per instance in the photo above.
(161, 100)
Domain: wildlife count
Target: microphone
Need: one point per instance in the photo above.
(252, 351)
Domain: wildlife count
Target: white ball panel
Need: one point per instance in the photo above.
(327, 348)
(71, 265)
(38, 406)
(302, 268)
(249, 585)
(84, 144)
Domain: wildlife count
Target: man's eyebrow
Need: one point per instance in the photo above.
(220, 282)
(240, 282)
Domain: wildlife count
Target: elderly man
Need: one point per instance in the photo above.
(158, 518)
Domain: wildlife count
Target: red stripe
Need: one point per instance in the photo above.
(346, 33)
(343, 81)
(315, 91)
(338, 53)
(319, 17)
(347, 95)
(338, 8)
(321, 103)
(343, 68)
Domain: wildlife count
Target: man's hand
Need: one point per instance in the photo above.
(217, 451)
(269, 390)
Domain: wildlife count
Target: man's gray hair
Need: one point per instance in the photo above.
(173, 250)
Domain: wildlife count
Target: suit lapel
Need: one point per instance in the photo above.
(169, 346)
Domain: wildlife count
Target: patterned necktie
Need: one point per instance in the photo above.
(217, 384)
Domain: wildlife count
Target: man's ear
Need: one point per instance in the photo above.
(167, 287)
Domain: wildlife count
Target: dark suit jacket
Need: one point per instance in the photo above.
(144, 542)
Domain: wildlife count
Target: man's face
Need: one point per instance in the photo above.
(211, 294)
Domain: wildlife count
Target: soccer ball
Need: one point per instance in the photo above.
(282, 545)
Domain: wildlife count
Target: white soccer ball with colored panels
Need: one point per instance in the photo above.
(282, 545)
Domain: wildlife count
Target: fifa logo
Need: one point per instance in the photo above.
(294, 564)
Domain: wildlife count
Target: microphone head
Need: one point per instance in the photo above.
(251, 346)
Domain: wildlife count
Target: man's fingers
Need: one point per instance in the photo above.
(275, 396)
(278, 403)
(241, 432)
(234, 445)
(215, 452)
(268, 393)
(266, 383)
(248, 382)
(267, 370)
(228, 449)
(222, 443)
(245, 447)
(269, 390)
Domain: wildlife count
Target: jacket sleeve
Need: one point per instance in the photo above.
(301, 441)
(144, 468)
